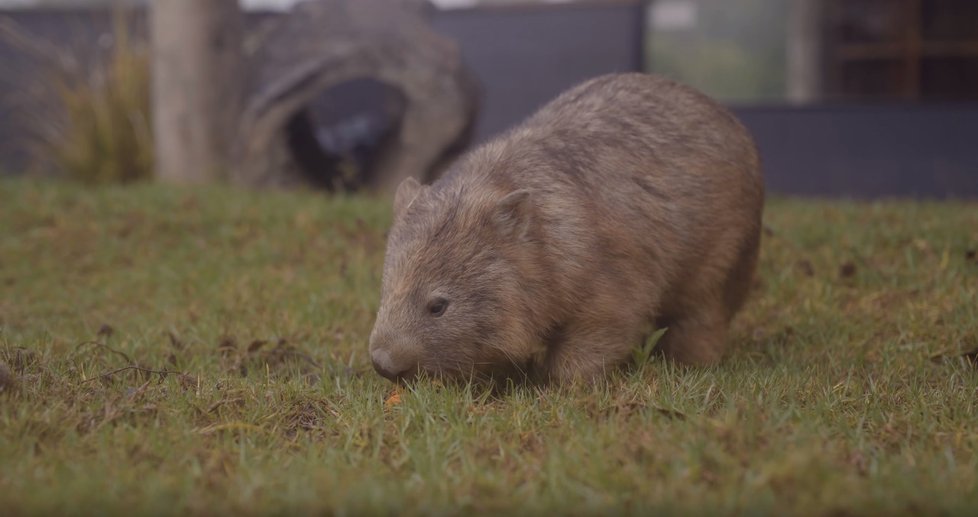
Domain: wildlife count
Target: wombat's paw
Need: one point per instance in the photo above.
(571, 377)
(695, 341)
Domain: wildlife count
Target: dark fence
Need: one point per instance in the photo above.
(524, 56)
(861, 151)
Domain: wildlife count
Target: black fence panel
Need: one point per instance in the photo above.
(524, 56)
(858, 151)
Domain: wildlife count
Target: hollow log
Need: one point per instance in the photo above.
(324, 45)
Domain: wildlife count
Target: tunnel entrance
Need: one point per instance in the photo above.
(340, 137)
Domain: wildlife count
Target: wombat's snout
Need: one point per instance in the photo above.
(391, 360)
(385, 365)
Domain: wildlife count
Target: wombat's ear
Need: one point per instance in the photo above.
(512, 214)
(407, 192)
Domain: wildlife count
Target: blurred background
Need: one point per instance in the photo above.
(846, 98)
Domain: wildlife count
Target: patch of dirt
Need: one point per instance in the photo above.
(308, 415)
(136, 404)
(19, 359)
(805, 267)
(262, 354)
(847, 270)
(105, 331)
(9, 382)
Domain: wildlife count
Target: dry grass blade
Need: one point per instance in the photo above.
(79, 348)
(106, 375)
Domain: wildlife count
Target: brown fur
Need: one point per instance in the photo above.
(628, 202)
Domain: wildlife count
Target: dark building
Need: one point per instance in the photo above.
(901, 49)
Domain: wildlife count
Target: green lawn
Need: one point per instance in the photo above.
(847, 388)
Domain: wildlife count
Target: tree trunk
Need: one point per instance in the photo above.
(197, 85)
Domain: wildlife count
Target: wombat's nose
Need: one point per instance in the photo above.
(386, 366)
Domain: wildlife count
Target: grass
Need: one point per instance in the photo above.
(845, 391)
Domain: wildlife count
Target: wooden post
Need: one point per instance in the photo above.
(197, 69)
(804, 50)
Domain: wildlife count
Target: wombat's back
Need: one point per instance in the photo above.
(640, 156)
(655, 134)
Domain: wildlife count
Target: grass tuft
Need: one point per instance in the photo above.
(643, 353)
(101, 129)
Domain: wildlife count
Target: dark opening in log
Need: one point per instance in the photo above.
(341, 135)
(346, 94)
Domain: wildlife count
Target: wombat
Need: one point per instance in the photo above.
(628, 203)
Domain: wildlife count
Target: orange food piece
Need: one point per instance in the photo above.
(394, 398)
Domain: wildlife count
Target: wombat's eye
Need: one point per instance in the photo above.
(437, 307)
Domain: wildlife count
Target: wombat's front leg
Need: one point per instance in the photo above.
(697, 339)
(583, 352)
